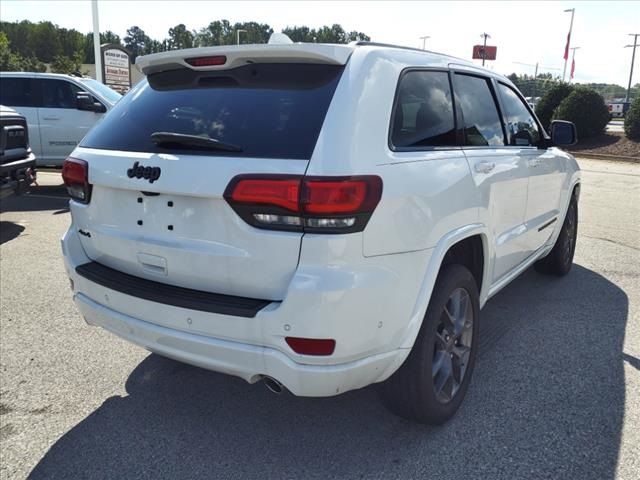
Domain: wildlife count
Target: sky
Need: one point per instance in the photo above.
(524, 32)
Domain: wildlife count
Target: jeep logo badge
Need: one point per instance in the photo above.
(138, 171)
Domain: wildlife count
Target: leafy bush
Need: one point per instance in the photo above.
(550, 101)
(584, 107)
(62, 64)
(632, 120)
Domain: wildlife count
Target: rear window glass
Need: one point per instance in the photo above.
(424, 111)
(268, 110)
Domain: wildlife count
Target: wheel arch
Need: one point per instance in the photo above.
(447, 251)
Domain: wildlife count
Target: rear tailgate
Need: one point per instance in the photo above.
(158, 211)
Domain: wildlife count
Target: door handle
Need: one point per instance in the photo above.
(484, 167)
(51, 118)
(535, 162)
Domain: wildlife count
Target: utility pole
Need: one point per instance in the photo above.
(566, 51)
(238, 35)
(424, 41)
(573, 60)
(484, 47)
(96, 41)
(633, 58)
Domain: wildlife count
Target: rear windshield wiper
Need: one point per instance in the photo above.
(181, 140)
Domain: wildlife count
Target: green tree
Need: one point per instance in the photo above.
(180, 37)
(632, 120)
(550, 101)
(219, 32)
(136, 41)
(300, 34)
(14, 62)
(110, 37)
(44, 42)
(32, 64)
(333, 34)
(63, 64)
(106, 37)
(9, 62)
(71, 42)
(155, 46)
(586, 109)
(254, 32)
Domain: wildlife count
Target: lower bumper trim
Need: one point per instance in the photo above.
(170, 294)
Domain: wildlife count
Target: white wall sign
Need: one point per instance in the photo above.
(116, 68)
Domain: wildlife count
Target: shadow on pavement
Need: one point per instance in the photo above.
(546, 401)
(9, 231)
(38, 199)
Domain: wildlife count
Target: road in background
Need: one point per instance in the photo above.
(555, 393)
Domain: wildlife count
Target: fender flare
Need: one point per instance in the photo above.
(431, 274)
(575, 183)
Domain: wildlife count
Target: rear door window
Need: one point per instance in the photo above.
(423, 115)
(482, 124)
(268, 110)
(522, 129)
(16, 92)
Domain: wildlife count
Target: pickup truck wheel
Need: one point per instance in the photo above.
(431, 383)
(560, 258)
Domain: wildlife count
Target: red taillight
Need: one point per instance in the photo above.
(282, 193)
(312, 204)
(206, 61)
(311, 346)
(345, 196)
(75, 174)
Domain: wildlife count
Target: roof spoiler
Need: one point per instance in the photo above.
(232, 56)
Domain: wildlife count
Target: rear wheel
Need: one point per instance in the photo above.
(434, 378)
(560, 258)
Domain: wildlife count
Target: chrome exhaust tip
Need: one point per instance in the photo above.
(273, 385)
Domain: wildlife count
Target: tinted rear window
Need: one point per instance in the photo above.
(424, 111)
(269, 110)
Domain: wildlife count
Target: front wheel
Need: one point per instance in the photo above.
(560, 258)
(431, 383)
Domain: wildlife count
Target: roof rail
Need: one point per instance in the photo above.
(363, 43)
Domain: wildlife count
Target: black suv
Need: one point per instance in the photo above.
(17, 162)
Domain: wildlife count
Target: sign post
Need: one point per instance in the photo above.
(116, 67)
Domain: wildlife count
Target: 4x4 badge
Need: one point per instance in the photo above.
(138, 171)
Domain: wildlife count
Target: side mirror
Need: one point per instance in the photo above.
(84, 101)
(563, 133)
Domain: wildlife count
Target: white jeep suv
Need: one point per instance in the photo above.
(319, 217)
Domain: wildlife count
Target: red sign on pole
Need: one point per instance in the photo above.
(488, 52)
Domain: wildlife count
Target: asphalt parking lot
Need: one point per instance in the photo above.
(555, 393)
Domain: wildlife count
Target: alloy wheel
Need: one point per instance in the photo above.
(452, 348)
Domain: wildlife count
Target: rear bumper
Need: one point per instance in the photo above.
(249, 362)
(364, 304)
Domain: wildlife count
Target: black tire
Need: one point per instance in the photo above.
(560, 259)
(411, 391)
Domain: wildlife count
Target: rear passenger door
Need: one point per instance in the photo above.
(62, 125)
(500, 174)
(544, 168)
(19, 94)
